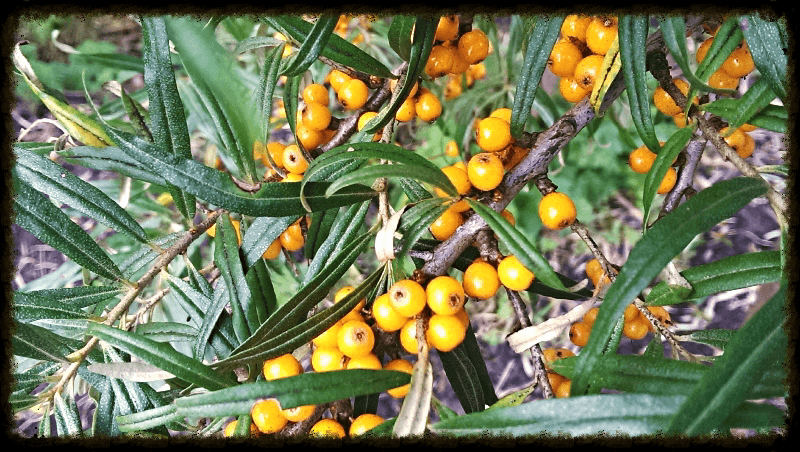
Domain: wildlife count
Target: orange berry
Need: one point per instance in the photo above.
(445, 295)
(292, 238)
(298, 413)
(275, 150)
(338, 79)
(579, 334)
(393, 85)
(572, 90)
(485, 171)
(364, 423)
(557, 211)
(273, 250)
(513, 274)
(721, 80)
(509, 217)
(407, 297)
(590, 316)
(739, 63)
(631, 313)
(451, 149)
(574, 26)
(473, 46)
(748, 147)
(668, 181)
(365, 118)
(664, 102)
(564, 58)
(502, 113)
(636, 329)
(292, 177)
(480, 280)
(355, 313)
(555, 380)
(493, 134)
(702, 50)
(293, 160)
(453, 88)
(445, 332)
(267, 416)
(463, 317)
(478, 71)
(325, 359)
(553, 354)
(385, 315)
(460, 66)
(281, 367)
(641, 160)
(600, 34)
(587, 70)
(661, 314)
(368, 361)
(316, 116)
(307, 137)
(330, 337)
(408, 336)
(447, 29)
(428, 107)
(356, 339)
(353, 94)
(316, 93)
(327, 428)
(400, 365)
(407, 110)
(440, 61)
(563, 389)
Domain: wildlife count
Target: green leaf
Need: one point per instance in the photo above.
(28, 307)
(148, 419)
(771, 117)
(734, 272)
(665, 239)
(674, 145)
(633, 52)
(725, 386)
(37, 215)
(167, 331)
(162, 356)
(770, 56)
(418, 219)
(518, 245)
(266, 89)
(65, 188)
(463, 379)
(260, 235)
(209, 65)
(312, 46)
(313, 388)
(291, 93)
(167, 120)
(226, 256)
(368, 175)
(337, 48)
(263, 300)
(740, 111)
(31, 341)
(629, 414)
(78, 297)
(110, 158)
(342, 232)
(272, 200)
(666, 294)
(539, 45)
(399, 35)
(68, 419)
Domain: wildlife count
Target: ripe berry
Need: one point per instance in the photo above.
(316, 93)
(453, 88)
(293, 160)
(327, 428)
(368, 361)
(702, 50)
(408, 336)
(355, 313)
(365, 118)
(579, 334)
(572, 90)
(393, 85)
(267, 416)
(231, 428)
(473, 46)
(595, 272)
(563, 389)
(356, 339)
(325, 359)
(513, 274)
(636, 329)
(502, 113)
(451, 149)
(493, 134)
(291, 177)
(460, 66)
(407, 110)
(564, 58)
(480, 280)
(555, 380)
(281, 367)
(641, 160)
(440, 61)
(587, 70)
(400, 365)
(338, 79)
(407, 297)
(273, 250)
(460, 180)
(557, 211)
(447, 29)
(590, 316)
(668, 181)
(385, 316)
(553, 354)
(739, 63)
(212, 231)
(748, 147)
(485, 171)
(661, 314)
(478, 71)
(428, 107)
(353, 94)
(445, 332)
(600, 34)
(275, 150)
(445, 295)
(721, 80)
(631, 313)
(664, 102)
(292, 238)
(364, 423)
(316, 116)
(298, 413)
(574, 26)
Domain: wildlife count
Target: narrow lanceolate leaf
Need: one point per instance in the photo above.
(148, 419)
(726, 39)
(137, 371)
(78, 297)
(673, 30)
(272, 200)
(110, 158)
(312, 46)
(665, 239)
(263, 300)
(266, 89)
(667, 294)
(342, 232)
(337, 48)
(539, 45)
(210, 66)
(291, 94)
(167, 120)
(629, 414)
(771, 117)
(167, 331)
(633, 52)
(674, 145)
(140, 117)
(519, 245)
(399, 35)
(66, 188)
(79, 126)
(31, 341)
(68, 420)
(28, 307)
(422, 42)
(464, 379)
(37, 215)
(725, 386)
(756, 98)
(769, 54)
(313, 388)
(734, 272)
(261, 234)
(418, 219)
(608, 74)
(226, 256)
(162, 356)
(368, 175)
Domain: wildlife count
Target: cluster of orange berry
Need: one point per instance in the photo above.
(268, 416)
(560, 384)
(578, 56)
(641, 161)
(636, 324)
(738, 64)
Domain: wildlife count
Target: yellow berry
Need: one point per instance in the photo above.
(325, 359)
(407, 297)
(364, 423)
(485, 171)
(400, 365)
(282, 367)
(267, 416)
(493, 134)
(327, 428)
(557, 211)
(356, 339)
(513, 274)
(445, 295)
(480, 280)
(385, 315)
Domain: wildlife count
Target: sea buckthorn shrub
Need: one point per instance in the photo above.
(321, 226)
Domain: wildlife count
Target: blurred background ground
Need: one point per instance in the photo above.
(754, 228)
